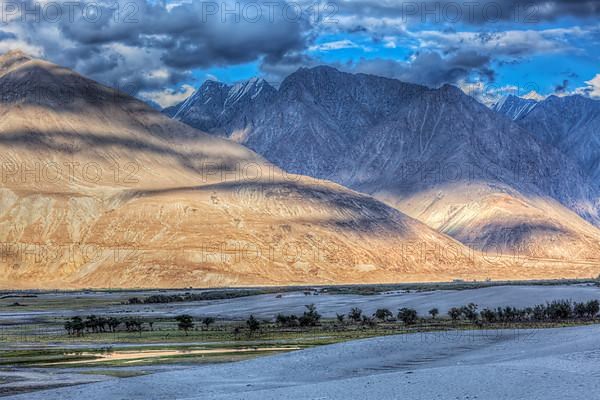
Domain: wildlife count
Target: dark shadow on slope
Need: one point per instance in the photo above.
(515, 238)
(81, 142)
(356, 212)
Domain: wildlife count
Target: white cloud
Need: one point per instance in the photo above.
(380, 25)
(169, 97)
(515, 43)
(8, 45)
(490, 94)
(485, 93)
(336, 45)
(389, 42)
(533, 95)
(592, 89)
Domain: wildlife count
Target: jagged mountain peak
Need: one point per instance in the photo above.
(514, 107)
(13, 58)
(216, 102)
(247, 90)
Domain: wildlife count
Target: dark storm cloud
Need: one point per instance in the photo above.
(7, 35)
(176, 38)
(275, 70)
(562, 87)
(425, 68)
(431, 68)
(150, 45)
(196, 34)
(471, 12)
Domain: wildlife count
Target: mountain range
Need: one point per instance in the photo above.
(437, 155)
(100, 190)
(569, 123)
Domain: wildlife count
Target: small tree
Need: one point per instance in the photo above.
(134, 325)
(593, 308)
(454, 313)
(208, 321)
(434, 312)
(184, 323)
(383, 314)
(91, 323)
(488, 315)
(407, 315)
(102, 323)
(288, 321)
(253, 324)
(113, 323)
(559, 310)
(340, 318)
(68, 327)
(355, 314)
(539, 312)
(75, 326)
(470, 312)
(580, 310)
(310, 317)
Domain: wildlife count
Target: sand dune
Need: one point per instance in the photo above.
(504, 364)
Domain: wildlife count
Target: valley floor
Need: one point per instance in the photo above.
(433, 359)
(509, 364)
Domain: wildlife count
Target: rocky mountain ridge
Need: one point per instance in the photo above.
(436, 154)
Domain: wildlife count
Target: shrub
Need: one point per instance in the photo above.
(368, 321)
(288, 321)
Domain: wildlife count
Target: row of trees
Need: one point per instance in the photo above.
(559, 310)
(97, 324)
(186, 323)
(554, 311)
(94, 324)
(201, 296)
(406, 315)
(310, 317)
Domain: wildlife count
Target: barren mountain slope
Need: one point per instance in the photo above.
(435, 154)
(570, 123)
(99, 190)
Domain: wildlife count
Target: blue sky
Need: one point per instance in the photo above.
(161, 51)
